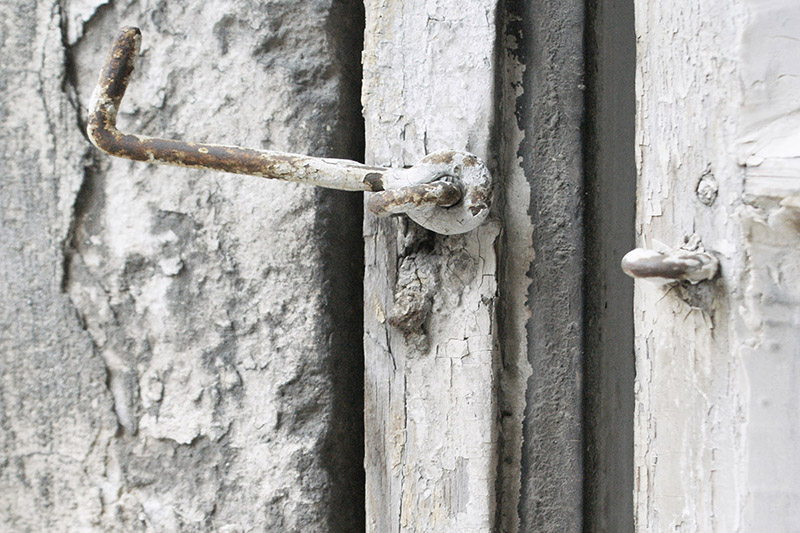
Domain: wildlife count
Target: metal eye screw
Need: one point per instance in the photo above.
(447, 192)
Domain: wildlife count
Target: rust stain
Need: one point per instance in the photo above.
(375, 181)
(479, 200)
(439, 158)
(395, 201)
(471, 161)
(415, 199)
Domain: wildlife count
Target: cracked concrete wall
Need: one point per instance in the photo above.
(181, 350)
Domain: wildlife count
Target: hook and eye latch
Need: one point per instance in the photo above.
(447, 192)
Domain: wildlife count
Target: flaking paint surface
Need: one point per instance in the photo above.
(716, 364)
(429, 300)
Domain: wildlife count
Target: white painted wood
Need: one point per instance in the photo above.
(429, 299)
(717, 413)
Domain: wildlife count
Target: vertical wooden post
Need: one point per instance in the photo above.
(717, 363)
(429, 299)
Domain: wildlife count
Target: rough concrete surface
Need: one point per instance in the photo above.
(550, 112)
(180, 349)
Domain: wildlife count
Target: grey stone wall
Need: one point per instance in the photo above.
(180, 350)
(546, 390)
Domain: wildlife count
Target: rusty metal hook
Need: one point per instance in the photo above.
(447, 192)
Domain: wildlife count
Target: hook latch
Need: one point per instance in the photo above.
(447, 192)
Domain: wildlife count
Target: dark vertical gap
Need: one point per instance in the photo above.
(610, 200)
(550, 111)
(338, 230)
(507, 29)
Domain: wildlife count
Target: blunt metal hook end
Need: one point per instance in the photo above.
(680, 265)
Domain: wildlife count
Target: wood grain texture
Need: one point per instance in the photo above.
(689, 393)
(429, 300)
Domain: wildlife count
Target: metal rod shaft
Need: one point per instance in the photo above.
(331, 173)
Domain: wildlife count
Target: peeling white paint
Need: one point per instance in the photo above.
(716, 407)
(770, 112)
(431, 440)
(517, 254)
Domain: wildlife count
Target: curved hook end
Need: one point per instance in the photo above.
(111, 86)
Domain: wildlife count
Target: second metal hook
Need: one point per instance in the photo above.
(447, 192)
(689, 263)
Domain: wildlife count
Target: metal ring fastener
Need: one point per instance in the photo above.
(447, 192)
